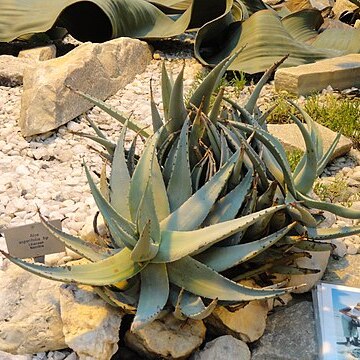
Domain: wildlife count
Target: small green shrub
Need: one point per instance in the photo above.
(294, 157)
(338, 114)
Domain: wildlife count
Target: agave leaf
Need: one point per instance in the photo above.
(214, 138)
(177, 244)
(131, 163)
(291, 270)
(180, 187)
(148, 173)
(177, 110)
(215, 110)
(327, 156)
(114, 220)
(193, 307)
(112, 298)
(193, 212)
(167, 84)
(145, 249)
(170, 159)
(301, 214)
(107, 144)
(338, 210)
(314, 246)
(274, 146)
(305, 178)
(332, 233)
(152, 298)
(196, 133)
(120, 179)
(111, 270)
(223, 258)
(197, 172)
(113, 113)
(203, 93)
(228, 206)
(157, 122)
(209, 284)
(86, 249)
(98, 132)
(267, 198)
(224, 149)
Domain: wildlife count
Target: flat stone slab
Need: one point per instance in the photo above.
(290, 334)
(290, 136)
(340, 73)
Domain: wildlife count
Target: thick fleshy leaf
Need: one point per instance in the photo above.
(192, 306)
(210, 284)
(154, 294)
(193, 212)
(332, 233)
(108, 271)
(228, 206)
(180, 187)
(120, 179)
(145, 249)
(86, 249)
(177, 244)
(223, 258)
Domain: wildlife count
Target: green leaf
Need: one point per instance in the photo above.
(120, 179)
(86, 249)
(192, 306)
(193, 212)
(107, 144)
(208, 283)
(177, 244)
(113, 113)
(223, 258)
(152, 298)
(228, 206)
(114, 220)
(180, 187)
(108, 271)
(145, 249)
(332, 233)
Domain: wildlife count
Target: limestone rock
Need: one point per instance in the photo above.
(167, 337)
(340, 73)
(290, 137)
(91, 326)
(345, 271)
(290, 334)
(223, 348)
(41, 53)
(247, 323)
(12, 69)
(7, 356)
(96, 69)
(30, 319)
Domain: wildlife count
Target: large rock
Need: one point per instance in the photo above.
(7, 356)
(340, 73)
(223, 348)
(167, 338)
(30, 320)
(290, 136)
(12, 70)
(290, 334)
(97, 69)
(91, 326)
(247, 323)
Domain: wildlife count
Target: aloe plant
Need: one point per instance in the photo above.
(209, 202)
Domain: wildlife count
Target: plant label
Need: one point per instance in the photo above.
(33, 240)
